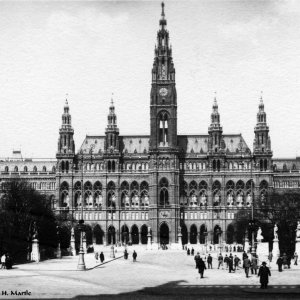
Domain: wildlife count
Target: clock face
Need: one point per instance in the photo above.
(163, 92)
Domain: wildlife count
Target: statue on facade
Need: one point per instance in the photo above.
(249, 200)
(239, 200)
(203, 199)
(34, 231)
(259, 236)
(298, 230)
(275, 232)
(230, 200)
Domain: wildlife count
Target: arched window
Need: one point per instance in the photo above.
(263, 191)
(67, 167)
(25, 169)
(77, 194)
(44, 169)
(6, 169)
(62, 166)
(218, 165)
(230, 193)
(109, 166)
(53, 169)
(34, 169)
(111, 197)
(88, 199)
(98, 194)
(164, 194)
(16, 169)
(240, 186)
(163, 129)
(113, 166)
(64, 192)
(216, 188)
(203, 193)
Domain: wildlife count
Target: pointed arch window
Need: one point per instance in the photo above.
(163, 129)
(164, 193)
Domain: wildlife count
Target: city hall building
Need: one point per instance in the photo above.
(162, 182)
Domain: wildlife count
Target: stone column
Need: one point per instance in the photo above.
(72, 243)
(35, 252)
(149, 246)
(140, 238)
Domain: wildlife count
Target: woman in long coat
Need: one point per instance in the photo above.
(264, 273)
(201, 266)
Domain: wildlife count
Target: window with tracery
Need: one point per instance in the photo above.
(163, 129)
(164, 193)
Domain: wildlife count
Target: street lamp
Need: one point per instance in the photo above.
(81, 263)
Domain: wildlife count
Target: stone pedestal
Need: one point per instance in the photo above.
(262, 250)
(35, 252)
(84, 244)
(297, 246)
(72, 246)
(275, 250)
(247, 246)
(149, 245)
(58, 251)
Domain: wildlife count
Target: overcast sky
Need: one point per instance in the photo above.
(93, 49)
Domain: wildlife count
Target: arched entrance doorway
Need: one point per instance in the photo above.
(203, 234)
(164, 233)
(111, 235)
(230, 234)
(98, 235)
(184, 235)
(125, 234)
(144, 230)
(135, 234)
(217, 234)
(193, 234)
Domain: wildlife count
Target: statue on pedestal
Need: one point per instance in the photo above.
(275, 232)
(259, 236)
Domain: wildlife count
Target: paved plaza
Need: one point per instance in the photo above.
(160, 274)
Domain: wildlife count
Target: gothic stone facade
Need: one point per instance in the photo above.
(165, 181)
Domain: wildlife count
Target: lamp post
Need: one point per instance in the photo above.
(81, 263)
(205, 239)
(252, 222)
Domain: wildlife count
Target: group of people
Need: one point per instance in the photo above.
(285, 261)
(134, 255)
(232, 263)
(99, 256)
(6, 261)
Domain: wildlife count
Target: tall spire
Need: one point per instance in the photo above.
(112, 131)
(163, 21)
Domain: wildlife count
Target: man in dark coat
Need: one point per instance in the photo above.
(193, 251)
(134, 255)
(230, 263)
(209, 261)
(279, 263)
(220, 261)
(264, 273)
(201, 267)
(247, 264)
(101, 257)
(196, 258)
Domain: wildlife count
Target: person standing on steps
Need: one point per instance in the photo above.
(279, 263)
(196, 258)
(220, 261)
(247, 266)
(264, 273)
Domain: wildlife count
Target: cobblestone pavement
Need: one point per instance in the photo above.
(161, 274)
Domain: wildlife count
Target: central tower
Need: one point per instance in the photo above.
(163, 106)
(164, 167)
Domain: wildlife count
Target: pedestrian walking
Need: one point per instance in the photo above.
(284, 260)
(125, 254)
(254, 264)
(196, 258)
(264, 273)
(230, 263)
(209, 262)
(3, 259)
(247, 264)
(134, 255)
(226, 261)
(295, 259)
(220, 260)
(201, 267)
(188, 252)
(244, 255)
(193, 251)
(236, 261)
(279, 263)
(289, 261)
(270, 257)
(101, 257)
(8, 262)
(97, 257)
